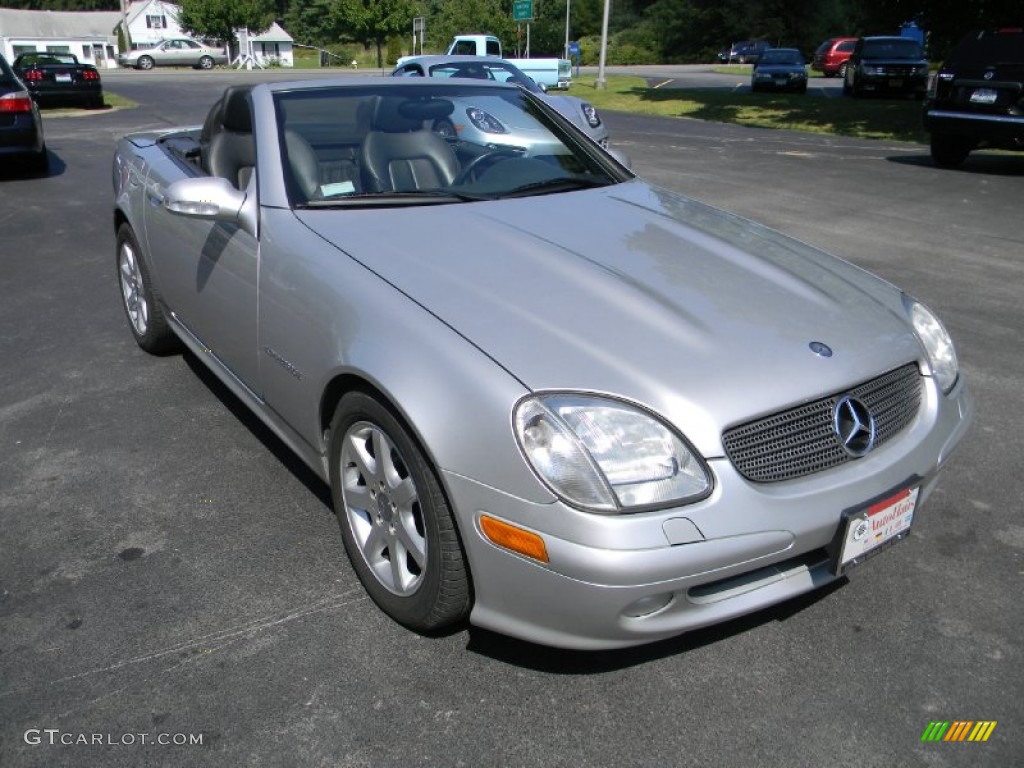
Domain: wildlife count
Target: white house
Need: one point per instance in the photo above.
(150, 21)
(275, 46)
(89, 35)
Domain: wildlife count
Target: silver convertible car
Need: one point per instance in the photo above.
(548, 397)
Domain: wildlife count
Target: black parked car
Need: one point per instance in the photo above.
(977, 97)
(59, 78)
(747, 51)
(21, 128)
(780, 69)
(886, 65)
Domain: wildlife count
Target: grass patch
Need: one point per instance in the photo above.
(110, 101)
(889, 119)
(117, 101)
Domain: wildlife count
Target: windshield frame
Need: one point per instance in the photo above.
(569, 146)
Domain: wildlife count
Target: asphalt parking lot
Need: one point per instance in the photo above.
(169, 571)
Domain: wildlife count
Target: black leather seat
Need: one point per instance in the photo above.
(304, 163)
(398, 155)
(228, 147)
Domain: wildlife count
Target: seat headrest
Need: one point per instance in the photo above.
(401, 115)
(237, 113)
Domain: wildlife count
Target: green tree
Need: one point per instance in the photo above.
(310, 22)
(218, 19)
(372, 22)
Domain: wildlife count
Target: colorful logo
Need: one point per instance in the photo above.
(958, 730)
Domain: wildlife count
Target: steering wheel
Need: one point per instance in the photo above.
(495, 155)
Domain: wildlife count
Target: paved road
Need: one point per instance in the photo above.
(167, 568)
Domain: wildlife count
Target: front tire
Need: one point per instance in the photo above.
(205, 62)
(397, 527)
(140, 299)
(145, 62)
(842, 70)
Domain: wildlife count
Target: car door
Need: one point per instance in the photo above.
(207, 274)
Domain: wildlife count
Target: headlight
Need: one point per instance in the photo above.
(873, 70)
(938, 345)
(593, 119)
(922, 70)
(607, 456)
(484, 121)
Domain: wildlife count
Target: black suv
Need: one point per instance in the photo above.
(885, 65)
(977, 98)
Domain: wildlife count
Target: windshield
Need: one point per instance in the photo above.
(781, 56)
(485, 70)
(891, 49)
(429, 142)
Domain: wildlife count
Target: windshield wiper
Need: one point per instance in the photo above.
(421, 197)
(559, 184)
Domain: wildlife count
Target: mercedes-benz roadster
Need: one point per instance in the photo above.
(548, 397)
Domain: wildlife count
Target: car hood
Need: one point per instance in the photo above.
(637, 292)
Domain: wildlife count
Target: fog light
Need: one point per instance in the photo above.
(645, 606)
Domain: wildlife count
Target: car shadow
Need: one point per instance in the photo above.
(982, 163)
(560, 661)
(261, 432)
(22, 170)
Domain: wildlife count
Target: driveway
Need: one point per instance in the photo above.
(169, 571)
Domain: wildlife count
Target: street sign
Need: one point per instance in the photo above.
(522, 10)
(574, 48)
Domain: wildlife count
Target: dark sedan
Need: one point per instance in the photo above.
(886, 65)
(21, 128)
(56, 79)
(781, 69)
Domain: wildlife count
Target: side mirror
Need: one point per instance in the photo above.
(543, 87)
(210, 197)
(620, 157)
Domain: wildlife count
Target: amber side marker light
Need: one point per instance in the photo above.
(516, 539)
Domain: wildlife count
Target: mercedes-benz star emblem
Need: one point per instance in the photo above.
(989, 75)
(854, 426)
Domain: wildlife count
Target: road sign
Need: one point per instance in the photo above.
(574, 48)
(522, 10)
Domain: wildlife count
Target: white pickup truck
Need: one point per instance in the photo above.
(549, 73)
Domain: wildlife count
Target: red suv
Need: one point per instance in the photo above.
(831, 56)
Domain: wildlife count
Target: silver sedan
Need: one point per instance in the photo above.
(549, 398)
(180, 52)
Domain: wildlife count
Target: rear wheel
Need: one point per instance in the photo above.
(205, 62)
(145, 62)
(950, 151)
(398, 529)
(139, 297)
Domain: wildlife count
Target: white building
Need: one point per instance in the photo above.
(150, 21)
(273, 47)
(92, 35)
(89, 35)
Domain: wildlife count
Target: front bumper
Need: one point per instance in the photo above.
(617, 581)
(892, 83)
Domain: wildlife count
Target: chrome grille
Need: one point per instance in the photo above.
(801, 440)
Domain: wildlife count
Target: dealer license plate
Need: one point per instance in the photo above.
(984, 96)
(62, 78)
(896, 83)
(868, 531)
